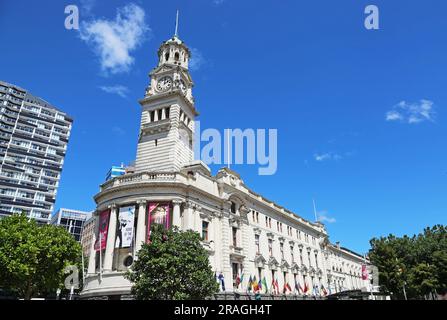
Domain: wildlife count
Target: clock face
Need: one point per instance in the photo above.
(164, 83)
(183, 86)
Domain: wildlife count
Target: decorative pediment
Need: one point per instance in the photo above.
(304, 269)
(295, 267)
(312, 270)
(284, 265)
(273, 263)
(270, 236)
(281, 239)
(260, 261)
(257, 230)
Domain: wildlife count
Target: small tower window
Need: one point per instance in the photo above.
(166, 56)
(177, 56)
(160, 114)
(168, 110)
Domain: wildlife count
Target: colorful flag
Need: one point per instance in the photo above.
(222, 281)
(324, 290)
(306, 288)
(260, 284)
(250, 284)
(255, 284)
(238, 281)
(288, 287)
(277, 286)
(264, 283)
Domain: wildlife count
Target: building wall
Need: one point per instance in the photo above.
(33, 143)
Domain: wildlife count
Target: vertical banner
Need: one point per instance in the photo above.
(158, 213)
(126, 221)
(364, 272)
(103, 230)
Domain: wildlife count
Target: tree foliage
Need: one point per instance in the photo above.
(419, 262)
(173, 266)
(33, 257)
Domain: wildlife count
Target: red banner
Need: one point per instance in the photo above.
(103, 230)
(364, 272)
(158, 213)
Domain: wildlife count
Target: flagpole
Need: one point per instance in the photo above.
(100, 253)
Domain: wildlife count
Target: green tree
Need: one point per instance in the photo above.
(33, 257)
(422, 280)
(420, 262)
(173, 266)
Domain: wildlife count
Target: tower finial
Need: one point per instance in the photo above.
(176, 25)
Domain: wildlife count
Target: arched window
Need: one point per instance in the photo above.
(177, 56)
(166, 56)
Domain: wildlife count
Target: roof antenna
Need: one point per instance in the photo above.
(176, 26)
(315, 211)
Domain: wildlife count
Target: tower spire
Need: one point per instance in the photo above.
(176, 25)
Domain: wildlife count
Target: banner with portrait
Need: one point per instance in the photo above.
(158, 213)
(364, 272)
(125, 227)
(102, 230)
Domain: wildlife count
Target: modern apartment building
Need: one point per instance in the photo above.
(72, 220)
(33, 142)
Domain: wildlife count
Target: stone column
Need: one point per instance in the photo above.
(176, 219)
(92, 257)
(141, 226)
(111, 234)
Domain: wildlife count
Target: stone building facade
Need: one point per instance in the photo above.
(245, 234)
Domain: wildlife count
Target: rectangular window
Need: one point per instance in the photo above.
(205, 225)
(234, 237)
(291, 254)
(270, 247)
(281, 248)
(257, 243)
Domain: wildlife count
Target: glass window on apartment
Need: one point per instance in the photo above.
(205, 226)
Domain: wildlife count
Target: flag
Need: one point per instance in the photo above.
(222, 281)
(264, 283)
(260, 284)
(255, 284)
(306, 288)
(250, 284)
(277, 286)
(288, 287)
(324, 290)
(273, 286)
(238, 281)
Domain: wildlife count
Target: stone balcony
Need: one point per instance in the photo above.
(142, 177)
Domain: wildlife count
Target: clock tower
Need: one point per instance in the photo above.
(168, 112)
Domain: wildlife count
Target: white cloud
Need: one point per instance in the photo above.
(323, 217)
(118, 131)
(412, 112)
(197, 60)
(327, 156)
(87, 6)
(114, 40)
(218, 2)
(117, 89)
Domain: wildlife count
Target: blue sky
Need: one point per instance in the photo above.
(360, 113)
